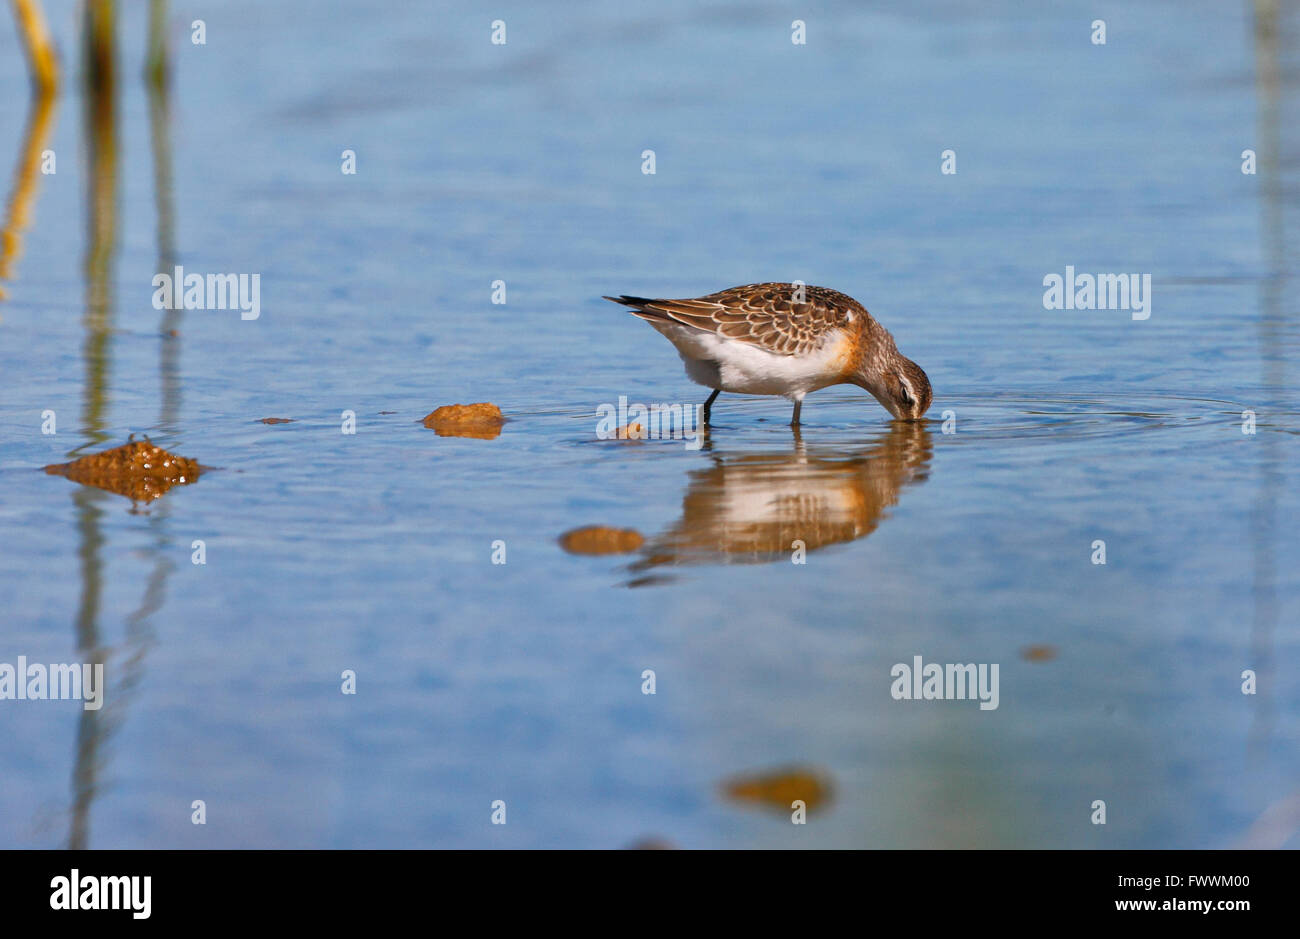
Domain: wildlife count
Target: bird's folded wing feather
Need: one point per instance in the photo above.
(765, 315)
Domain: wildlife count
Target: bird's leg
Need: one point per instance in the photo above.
(709, 404)
(794, 421)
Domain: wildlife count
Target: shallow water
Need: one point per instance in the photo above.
(522, 681)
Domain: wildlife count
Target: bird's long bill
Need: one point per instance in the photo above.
(886, 401)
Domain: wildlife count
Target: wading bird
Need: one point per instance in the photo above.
(788, 340)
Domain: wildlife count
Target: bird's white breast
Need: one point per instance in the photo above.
(744, 368)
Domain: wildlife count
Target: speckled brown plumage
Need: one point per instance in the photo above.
(766, 315)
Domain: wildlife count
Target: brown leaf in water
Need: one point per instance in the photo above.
(138, 469)
(482, 421)
(633, 431)
(1039, 653)
(598, 539)
(277, 420)
(779, 788)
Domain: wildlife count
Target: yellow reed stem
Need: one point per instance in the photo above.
(37, 43)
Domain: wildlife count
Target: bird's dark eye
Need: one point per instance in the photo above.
(906, 389)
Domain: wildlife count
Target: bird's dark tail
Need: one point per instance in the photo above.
(630, 301)
(641, 306)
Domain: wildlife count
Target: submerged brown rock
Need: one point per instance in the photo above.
(598, 539)
(482, 421)
(139, 470)
(779, 788)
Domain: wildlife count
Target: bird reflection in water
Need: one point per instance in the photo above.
(761, 507)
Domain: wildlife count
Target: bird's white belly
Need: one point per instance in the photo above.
(743, 368)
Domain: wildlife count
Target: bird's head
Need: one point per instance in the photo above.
(900, 385)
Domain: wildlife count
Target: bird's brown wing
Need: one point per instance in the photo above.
(766, 315)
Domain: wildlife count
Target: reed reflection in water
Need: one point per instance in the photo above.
(101, 473)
